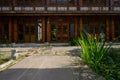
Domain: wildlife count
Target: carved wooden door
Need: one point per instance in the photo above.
(63, 32)
(30, 33)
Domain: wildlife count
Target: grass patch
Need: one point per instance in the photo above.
(4, 57)
(14, 62)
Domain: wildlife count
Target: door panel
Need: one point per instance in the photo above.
(59, 33)
(20, 33)
(30, 35)
(27, 34)
(53, 32)
(33, 34)
(117, 31)
(71, 30)
(65, 32)
(62, 33)
(4, 33)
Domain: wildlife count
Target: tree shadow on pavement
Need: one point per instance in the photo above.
(39, 74)
(75, 52)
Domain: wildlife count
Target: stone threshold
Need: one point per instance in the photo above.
(33, 44)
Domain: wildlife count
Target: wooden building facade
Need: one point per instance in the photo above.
(39, 21)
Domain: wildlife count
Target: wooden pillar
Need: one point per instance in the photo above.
(107, 29)
(75, 2)
(15, 33)
(112, 29)
(119, 26)
(10, 29)
(48, 30)
(76, 27)
(81, 24)
(48, 2)
(81, 3)
(43, 29)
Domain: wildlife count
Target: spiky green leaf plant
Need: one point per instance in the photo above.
(93, 51)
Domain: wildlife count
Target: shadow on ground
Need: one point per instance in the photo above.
(39, 74)
(74, 52)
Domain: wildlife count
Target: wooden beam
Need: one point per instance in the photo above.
(75, 2)
(15, 33)
(112, 29)
(81, 24)
(10, 29)
(43, 29)
(81, 2)
(48, 2)
(119, 26)
(48, 30)
(76, 27)
(107, 28)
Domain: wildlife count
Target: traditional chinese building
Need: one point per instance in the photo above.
(39, 21)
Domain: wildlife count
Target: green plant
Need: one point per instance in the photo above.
(1, 55)
(1, 58)
(103, 59)
(4, 58)
(92, 51)
(73, 41)
(110, 67)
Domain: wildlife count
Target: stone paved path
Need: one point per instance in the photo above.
(50, 63)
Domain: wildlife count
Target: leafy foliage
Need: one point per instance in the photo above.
(73, 41)
(103, 59)
(110, 66)
(93, 51)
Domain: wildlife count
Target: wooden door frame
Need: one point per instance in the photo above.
(29, 32)
(62, 34)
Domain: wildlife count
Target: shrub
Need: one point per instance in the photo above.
(110, 66)
(93, 51)
(73, 41)
(103, 59)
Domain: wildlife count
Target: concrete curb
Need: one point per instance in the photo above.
(34, 44)
(10, 63)
(14, 61)
(6, 64)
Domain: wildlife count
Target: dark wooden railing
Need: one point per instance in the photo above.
(97, 3)
(21, 6)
